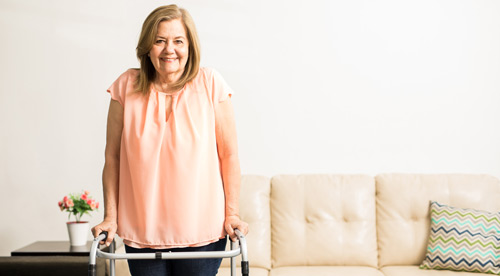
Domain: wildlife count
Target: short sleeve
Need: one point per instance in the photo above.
(221, 90)
(119, 88)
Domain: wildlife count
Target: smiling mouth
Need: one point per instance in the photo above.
(168, 59)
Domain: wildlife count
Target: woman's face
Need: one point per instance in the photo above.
(170, 50)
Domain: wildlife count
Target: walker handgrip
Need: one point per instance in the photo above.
(92, 270)
(245, 268)
(105, 233)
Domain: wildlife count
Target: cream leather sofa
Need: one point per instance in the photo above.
(341, 225)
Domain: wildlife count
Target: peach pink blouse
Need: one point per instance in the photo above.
(170, 184)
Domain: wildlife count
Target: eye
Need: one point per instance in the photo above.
(178, 41)
(159, 41)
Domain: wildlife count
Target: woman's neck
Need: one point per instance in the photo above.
(163, 82)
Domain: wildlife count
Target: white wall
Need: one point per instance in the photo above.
(324, 87)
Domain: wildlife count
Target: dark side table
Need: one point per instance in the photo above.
(50, 258)
(53, 248)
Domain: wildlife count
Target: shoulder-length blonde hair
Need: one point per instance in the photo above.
(147, 72)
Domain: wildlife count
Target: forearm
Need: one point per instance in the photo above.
(231, 177)
(110, 177)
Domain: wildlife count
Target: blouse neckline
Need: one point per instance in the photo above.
(176, 93)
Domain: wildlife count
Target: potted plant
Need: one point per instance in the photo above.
(78, 205)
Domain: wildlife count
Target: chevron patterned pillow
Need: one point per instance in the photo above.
(463, 240)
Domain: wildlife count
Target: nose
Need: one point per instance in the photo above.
(169, 47)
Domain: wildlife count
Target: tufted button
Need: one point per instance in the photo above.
(308, 220)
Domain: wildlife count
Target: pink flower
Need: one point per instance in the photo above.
(66, 202)
(92, 204)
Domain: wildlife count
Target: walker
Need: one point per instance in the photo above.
(112, 256)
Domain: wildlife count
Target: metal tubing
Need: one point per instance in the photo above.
(112, 256)
(93, 253)
(94, 249)
(112, 262)
(233, 259)
(170, 255)
(243, 245)
(245, 268)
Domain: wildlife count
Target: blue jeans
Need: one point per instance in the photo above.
(187, 267)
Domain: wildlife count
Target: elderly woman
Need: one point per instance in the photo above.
(171, 177)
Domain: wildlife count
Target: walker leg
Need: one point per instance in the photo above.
(112, 261)
(233, 259)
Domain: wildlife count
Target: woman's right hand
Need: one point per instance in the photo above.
(107, 225)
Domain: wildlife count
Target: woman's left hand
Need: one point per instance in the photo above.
(234, 222)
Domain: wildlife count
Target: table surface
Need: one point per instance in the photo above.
(53, 248)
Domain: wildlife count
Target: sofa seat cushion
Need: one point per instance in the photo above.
(320, 220)
(254, 271)
(326, 271)
(415, 271)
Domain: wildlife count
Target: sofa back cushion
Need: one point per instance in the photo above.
(403, 220)
(254, 209)
(323, 220)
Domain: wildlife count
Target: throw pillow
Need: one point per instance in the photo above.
(463, 240)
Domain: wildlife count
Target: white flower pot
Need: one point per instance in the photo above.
(78, 232)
